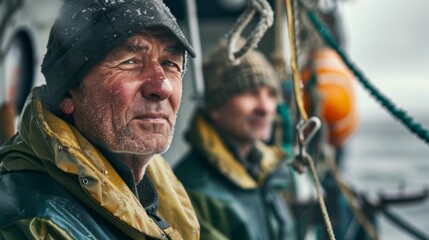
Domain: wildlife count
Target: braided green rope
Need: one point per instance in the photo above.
(400, 114)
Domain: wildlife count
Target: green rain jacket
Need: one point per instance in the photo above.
(229, 203)
(54, 184)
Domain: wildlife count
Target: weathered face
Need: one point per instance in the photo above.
(128, 103)
(247, 116)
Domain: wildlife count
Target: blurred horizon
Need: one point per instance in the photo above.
(388, 40)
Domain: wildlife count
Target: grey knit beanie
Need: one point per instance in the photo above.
(223, 79)
(85, 31)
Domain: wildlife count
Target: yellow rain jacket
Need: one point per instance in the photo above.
(54, 184)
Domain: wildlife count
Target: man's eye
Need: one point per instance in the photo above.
(174, 65)
(129, 61)
(168, 63)
(129, 64)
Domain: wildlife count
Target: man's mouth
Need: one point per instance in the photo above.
(153, 118)
(260, 122)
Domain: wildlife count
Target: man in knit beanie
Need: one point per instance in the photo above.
(232, 176)
(85, 162)
(223, 79)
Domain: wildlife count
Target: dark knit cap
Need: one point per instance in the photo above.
(224, 79)
(85, 31)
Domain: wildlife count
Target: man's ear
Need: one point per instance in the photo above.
(67, 105)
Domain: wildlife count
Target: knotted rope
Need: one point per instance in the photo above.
(266, 21)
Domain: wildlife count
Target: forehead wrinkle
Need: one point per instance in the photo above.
(174, 49)
(136, 48)
(136, 44)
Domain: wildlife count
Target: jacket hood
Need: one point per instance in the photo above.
(204, 138)
(47, 144)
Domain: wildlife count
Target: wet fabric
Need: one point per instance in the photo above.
(86, 30)
(224, 79)
(54, 184)
(230, 203)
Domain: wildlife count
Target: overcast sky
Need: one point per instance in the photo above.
(389, 41)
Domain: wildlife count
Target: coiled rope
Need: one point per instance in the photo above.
(398, 113)
(266, 21)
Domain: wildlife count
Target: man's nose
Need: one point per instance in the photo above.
(261, 108)
(157, 87)
(266, 105)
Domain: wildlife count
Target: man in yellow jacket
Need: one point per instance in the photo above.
(84, 163)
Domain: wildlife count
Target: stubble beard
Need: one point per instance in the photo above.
(121, 140)
(127, 142)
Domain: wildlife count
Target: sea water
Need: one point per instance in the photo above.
(388, 41)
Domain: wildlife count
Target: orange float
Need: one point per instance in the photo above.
(337, 100)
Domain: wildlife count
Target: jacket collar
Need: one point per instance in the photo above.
(206, 139)
(48, 144)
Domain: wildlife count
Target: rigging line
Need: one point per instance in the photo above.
(320, 197)
(300, 105)
(311, 127)
(296, 29)
(350, 197)
(398, 113)
(295, 71)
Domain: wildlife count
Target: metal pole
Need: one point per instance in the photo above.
(194, 32)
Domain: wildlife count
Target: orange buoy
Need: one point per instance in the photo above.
(337, 100)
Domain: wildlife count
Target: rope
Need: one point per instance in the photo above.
(296, 29)
(322, 205)
(266, 20)
(351, 199)
(398, 113)
(310, 127)
(294, 66)
(303, 156)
